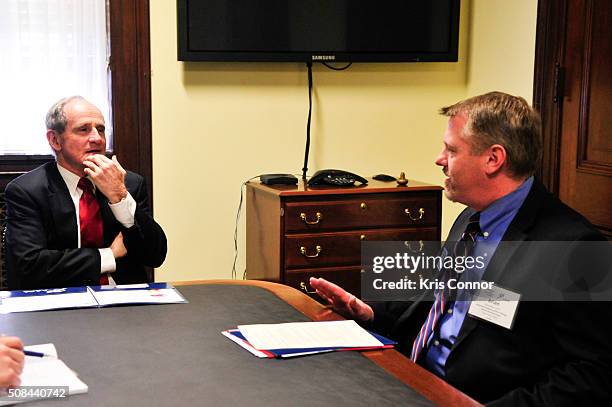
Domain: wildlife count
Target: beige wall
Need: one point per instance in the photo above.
(216, 125)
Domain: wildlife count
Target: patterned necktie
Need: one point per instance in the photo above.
(468, 238)
(90, 219)
(444, 297)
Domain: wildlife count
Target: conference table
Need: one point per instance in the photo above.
(175, 355)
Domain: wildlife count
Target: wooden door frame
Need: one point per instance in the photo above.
(548, 85)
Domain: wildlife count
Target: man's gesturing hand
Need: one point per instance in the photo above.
(344, 303)
(108, 175)
(11, 361)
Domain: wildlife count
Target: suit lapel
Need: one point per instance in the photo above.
(61, 207)
(459, 226)
(516, 232)
(108, 219)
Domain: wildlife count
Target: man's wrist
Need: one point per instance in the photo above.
(124, 210)
(118, 197)
(107, 260)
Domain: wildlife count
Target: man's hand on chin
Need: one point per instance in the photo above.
(108, 176)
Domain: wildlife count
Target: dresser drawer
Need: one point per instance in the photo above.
(342, 248)
(362, 212)
(348, 278)
(294, 232)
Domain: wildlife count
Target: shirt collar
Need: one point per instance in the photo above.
(505, 206)
(70, 178)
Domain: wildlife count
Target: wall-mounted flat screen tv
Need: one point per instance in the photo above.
(318, 30)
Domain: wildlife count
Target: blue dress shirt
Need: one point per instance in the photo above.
(494, 220)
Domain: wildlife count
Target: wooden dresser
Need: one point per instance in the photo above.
(296, 232)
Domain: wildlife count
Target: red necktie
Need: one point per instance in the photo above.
(90, 219)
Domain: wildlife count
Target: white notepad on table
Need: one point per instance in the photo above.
(45, 374)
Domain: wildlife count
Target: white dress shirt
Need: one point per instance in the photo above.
(123, 211)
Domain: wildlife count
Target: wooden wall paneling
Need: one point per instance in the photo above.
(548, 89)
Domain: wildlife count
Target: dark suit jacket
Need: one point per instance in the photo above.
(557, 352)
(42, 234)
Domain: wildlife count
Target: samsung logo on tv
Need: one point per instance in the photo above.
(323, 57)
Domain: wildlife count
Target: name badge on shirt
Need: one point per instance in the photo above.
(496, 305)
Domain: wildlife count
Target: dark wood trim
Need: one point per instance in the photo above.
(131, 95)
(131, 89)
(144, 94)
(396, 364)
(548, 85)
(583, 164)
(131, 86)
(372, 187)
(12, 166)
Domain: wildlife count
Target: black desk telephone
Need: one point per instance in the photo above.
(337, 178)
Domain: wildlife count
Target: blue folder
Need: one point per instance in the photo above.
(288, 352)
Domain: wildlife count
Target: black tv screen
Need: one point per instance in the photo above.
(318, 30)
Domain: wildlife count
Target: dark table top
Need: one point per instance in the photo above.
(175, 355)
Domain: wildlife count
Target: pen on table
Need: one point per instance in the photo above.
(37, 354)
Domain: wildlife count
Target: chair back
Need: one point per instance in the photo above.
(3, 283)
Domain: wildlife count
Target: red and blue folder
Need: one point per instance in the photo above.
(236, 336)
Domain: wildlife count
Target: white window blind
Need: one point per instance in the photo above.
(49, 49)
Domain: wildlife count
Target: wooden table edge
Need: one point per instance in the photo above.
(399, 366)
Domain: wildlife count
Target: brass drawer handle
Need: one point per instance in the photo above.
(310, 256)
(408, 244)
(363, 206)
(304, 288)
(421, 213)
(318, 215)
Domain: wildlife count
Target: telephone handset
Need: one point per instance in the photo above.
(337, 178)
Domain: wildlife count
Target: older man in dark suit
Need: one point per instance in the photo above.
(554, 352)
(82, 220)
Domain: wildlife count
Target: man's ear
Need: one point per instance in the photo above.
(54, 140)
(496, 158)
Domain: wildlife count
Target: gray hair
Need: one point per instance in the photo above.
(56, 119)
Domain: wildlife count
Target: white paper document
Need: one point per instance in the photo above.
(58, 300)
(88, 297)
(144, 296)
(141, 285)
(49, 375)
(307, 335)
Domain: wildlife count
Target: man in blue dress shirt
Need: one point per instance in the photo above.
(553, 352)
